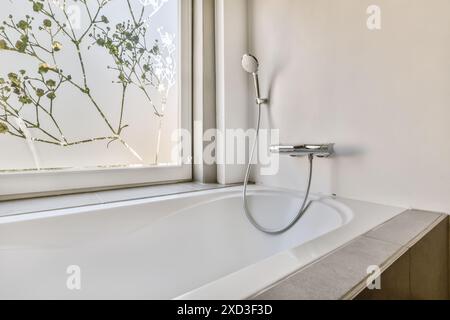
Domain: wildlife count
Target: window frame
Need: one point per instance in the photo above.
(17, 185)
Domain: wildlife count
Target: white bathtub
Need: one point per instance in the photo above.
(189, 246)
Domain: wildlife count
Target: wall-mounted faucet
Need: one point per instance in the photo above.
(317, 150)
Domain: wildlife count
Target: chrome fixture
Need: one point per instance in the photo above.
(318, 150)
(251, 65)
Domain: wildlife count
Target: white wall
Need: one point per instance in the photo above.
(382, 96)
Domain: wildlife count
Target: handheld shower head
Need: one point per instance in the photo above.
(251, 65)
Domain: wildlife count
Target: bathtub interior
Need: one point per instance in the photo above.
(151, 249)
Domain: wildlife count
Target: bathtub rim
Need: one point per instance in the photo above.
(228, 192)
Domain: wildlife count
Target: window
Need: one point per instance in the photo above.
(92, 92)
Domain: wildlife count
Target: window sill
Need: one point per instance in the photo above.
(18, 207)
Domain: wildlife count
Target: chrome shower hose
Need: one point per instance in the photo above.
(305, 204)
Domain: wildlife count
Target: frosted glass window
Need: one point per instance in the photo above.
(88, 83)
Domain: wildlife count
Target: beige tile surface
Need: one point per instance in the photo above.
(332, 277)
(395, 283)
(429, 265)
(422, 273)
(405, 227)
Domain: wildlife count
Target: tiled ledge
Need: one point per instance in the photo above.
(16, 207)
(343, 273)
